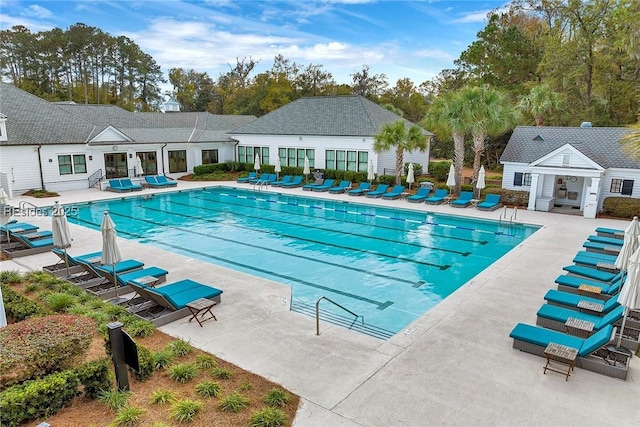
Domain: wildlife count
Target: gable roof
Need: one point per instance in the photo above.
(601, 144)
(32, 120)
(324, 116)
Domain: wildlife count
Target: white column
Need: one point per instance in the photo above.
(591, 202)
(533, 192)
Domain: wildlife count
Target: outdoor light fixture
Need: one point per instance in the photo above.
(90, 157)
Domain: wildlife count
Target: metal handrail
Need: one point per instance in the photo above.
(95, 178)
(337, 305)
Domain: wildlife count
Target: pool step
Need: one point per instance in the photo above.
(344, 321)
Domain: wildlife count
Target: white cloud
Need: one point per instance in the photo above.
(472, 17)
(37, 12)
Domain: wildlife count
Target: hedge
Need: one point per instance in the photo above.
(621, 207)
(19, 307)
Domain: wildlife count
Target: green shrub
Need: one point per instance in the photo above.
(214, 176)
(37, 398)
(162, 396)
(621, 207)
(233, 166)
(95, 376)
(180, 348)
(60, 301)
(206, 361)
(417, 169)
(276, 397)
(140, 328)
(114, 399)
(210, 168)
(222, 373)
(19, 307)
(268, 417)
(245, 386)
(162, 358)
(235, 402)
(208, 389)
(128, 416)
(10, 277)
(184, 411)
(439, 170)
(183, 372)
(39, 346)
(146, 363)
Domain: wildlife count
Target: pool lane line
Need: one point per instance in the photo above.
(380, 305)
(434, 224)
(303, 239)
(482, 242)
(347, 233)
(333, 264)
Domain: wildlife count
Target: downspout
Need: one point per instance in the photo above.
(162, 157)
(40, 167)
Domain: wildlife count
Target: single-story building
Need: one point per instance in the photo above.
(333, 132)
(569, 166)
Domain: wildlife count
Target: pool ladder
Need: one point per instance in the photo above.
(337, 305)
(514, 214)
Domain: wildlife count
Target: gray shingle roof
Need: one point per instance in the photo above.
(198, 120)
(32, 120)
(325, 116)
(600, 144)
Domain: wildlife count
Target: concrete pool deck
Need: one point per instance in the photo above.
(452, 366)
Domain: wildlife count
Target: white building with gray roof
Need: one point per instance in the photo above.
(569, 166)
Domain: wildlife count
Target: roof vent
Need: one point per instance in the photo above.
(586, 125)
(538, 138)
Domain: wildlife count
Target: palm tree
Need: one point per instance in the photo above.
(489, 113)
(540, 102)
(447, 119)
(403, 139)
(631, 143)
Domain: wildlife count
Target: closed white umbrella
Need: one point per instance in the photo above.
(629, 295)
(451, 178)
(256, 163)
(139, 169)
(629, 245)
(410, 175)
(306, 170)
(3, 314)
(278, 167)
(60, 231)
(110, 251)
(371, 174)
(480, 184)
(4, 197)
(5, 214)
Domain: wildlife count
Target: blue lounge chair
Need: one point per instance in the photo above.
(610, 232)
(593, 354)
(362, 188)
(600, 256)
(116, 185)
(99, 283)
(318, 183)
(463, 200)
(571, 301)
(572, 284)
(395, 193)
(152, 181)
(342, 187)
(608, 240)
(22, 245)
(326, 185)
(601, 248)
(246, 179)
(420, 196)
(18, 227)
(378, 192)
(268, 179)
(283, 180)
(262, 177)
(164, 181)
(590, 273)
(491, 202)
(124, 279)
(438, 197)
(297, 181)
(126, 183)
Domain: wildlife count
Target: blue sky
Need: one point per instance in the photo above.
(414, 39)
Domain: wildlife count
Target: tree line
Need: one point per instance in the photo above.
(561, 61)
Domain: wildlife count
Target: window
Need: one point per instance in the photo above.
(526, 179)
(354, 161)
(69, 164)
(115, 165)
(149, 163)
(209, 156)
(622, 186)
(521, 179)
(177, 161)
(294, 157)
(248, 154)
(566, 159)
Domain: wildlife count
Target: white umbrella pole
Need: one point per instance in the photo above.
(115, 282)
(624, 320)
(66, 260)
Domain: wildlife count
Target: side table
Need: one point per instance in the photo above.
(561, 354)
(590, 306)
(578, 327)
(589, 290)
(201, 307)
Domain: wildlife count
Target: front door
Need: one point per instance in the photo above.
(115, 165)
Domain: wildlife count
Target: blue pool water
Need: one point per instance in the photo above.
(388, 265)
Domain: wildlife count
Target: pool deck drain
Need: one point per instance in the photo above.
(453, 366)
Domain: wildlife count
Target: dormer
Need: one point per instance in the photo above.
(3, 127)
(171, 106)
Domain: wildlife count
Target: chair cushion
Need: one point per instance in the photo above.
(542, 337)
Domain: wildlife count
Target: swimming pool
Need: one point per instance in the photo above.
(388, 265)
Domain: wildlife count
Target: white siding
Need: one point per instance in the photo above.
(20, 164)
(508, 173)
(576, 160)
